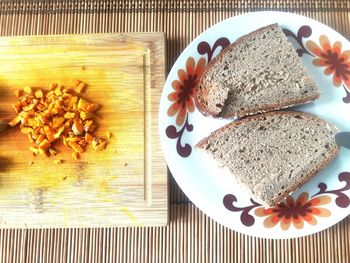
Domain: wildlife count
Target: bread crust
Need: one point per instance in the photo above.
(200, 145)
(305, 179)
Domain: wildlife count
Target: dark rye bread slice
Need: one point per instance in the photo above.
(272, 154)
(259, 72)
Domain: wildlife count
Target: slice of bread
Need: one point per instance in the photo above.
(272, 154)
(259, 72)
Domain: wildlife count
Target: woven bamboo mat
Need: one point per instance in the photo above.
(191, 236)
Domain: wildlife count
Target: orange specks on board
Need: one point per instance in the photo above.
(130, 215)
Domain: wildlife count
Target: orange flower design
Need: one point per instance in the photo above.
(295, 212)
(184, 89)
(332, 57)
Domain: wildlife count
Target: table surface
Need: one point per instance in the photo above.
(191, 236)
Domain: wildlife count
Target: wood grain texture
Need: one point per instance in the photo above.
(126, 184)
(190, 236)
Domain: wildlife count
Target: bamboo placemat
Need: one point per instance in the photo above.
(191, 236)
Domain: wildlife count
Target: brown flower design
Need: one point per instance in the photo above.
(296, 212)
(336, 61)
(183, 92)
(184, 89)
(293, 211)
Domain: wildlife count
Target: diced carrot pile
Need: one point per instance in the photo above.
(60, 114)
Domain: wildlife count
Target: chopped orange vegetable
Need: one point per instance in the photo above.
(98, 144)
(49, 133)
(26, 130)
(57, 114)
(58, 91)
(28, 90)
(43, 152)
(65, 91)
(72, 139)
(76, 147)
(77, 82)
(57, 121)
(38, 94)
(44, 145)
(69, 115)
(77, 127)
(86, 106)
(53, 86)
(18, 93)
(94, 143)
(71, 134)
(59, 132)
(53, 152)
(34, 150)
(101, 146)
(40, 139)
(72, 102)
(75, 155)
(64, 139)
(16, 107)
(88, 138)
(30, 138)
(82, 143)
(89, 126)
(80, 88)
(87, 115)
(15, 121)
(28, 108)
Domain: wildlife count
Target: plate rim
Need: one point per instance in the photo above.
(167, 83)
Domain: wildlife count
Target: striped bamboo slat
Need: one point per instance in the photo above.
(191, 236)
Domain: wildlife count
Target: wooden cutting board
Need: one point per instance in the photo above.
(124, 185)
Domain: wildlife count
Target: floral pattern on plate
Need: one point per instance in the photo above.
(293, 211)
(335, 61)
(184, 90)
(182, 98)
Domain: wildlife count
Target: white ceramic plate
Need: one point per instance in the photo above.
(320, 203)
